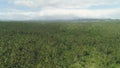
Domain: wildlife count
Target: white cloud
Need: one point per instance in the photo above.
(60, 14)
(61, 9)
(28, 3)
(64, 3)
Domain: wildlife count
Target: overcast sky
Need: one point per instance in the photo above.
(58, 9)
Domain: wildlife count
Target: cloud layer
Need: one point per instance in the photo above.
(64, 3)
(60, 9)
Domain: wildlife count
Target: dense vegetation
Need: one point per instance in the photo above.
(60, 45)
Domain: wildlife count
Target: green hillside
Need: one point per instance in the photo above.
(60, 45)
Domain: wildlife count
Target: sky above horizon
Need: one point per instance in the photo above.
(58, 9)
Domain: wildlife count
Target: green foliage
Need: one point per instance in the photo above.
(59, 45)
